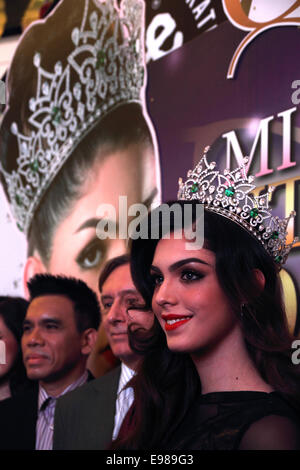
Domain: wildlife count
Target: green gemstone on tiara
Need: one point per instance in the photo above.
(230, 191)
(20, 227)
(34, 165)
(254, 213)
(101, 59)
(275, 235)
(194, 188)
(278, 259)
(56, 115)
(18, 200)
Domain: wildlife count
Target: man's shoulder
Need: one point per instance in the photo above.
(108, 381)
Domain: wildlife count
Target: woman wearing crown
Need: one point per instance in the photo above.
(75, 133)
(217, 370)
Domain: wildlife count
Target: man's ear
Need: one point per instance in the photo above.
(260, 279)
(33, 266)
(88, 340)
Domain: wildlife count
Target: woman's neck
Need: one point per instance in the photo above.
(4, 390)
(228, 367)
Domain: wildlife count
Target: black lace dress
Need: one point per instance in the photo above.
(239, 420)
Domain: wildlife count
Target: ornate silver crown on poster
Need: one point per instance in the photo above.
(229, 194)
(105, 69)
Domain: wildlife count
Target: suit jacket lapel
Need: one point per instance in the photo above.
(106, 407)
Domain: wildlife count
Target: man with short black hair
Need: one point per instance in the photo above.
(86, 305)
(89, 418)
(60, 330)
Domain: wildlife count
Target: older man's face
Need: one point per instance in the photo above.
(117, 296)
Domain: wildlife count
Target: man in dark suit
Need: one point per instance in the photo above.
(60, 330)
(90, 417)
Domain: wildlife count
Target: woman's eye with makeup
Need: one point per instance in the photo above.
(91, 256)
(156, 279)
(190, 275)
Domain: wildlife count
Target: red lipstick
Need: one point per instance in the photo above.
(177, 321)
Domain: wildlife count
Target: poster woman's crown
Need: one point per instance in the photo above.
(104, 70)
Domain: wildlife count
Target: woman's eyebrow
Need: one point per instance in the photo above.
(155, 269)
(89, 223)
(182, 262)
(92, 223)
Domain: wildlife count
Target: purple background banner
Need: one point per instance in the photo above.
(193, 104)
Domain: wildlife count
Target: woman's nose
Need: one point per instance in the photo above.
(165, 293)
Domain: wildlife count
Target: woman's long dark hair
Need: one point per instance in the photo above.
(13, 311)
(167, 383)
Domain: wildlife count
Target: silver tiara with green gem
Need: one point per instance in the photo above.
(229, 194)
(105, 69)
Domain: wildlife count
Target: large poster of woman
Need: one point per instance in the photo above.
(75, 133)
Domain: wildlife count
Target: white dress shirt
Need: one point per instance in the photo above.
(124, 398)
